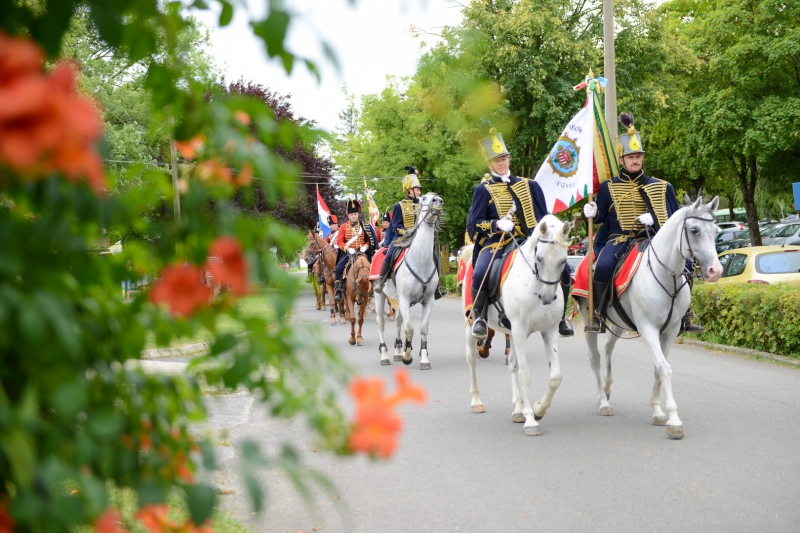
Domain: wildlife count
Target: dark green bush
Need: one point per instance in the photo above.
(449, 281)
(758, 317)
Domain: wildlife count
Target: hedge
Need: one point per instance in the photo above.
(449, 281)
(759, 317)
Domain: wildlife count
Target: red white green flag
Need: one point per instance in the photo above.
(583, 156)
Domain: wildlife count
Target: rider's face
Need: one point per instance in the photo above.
(353, 217)
(500, 165)
(632, 162)
(415, 192)
(385, 224)
(334, 227)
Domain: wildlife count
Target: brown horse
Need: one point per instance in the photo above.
(358, 290)
(325, 255)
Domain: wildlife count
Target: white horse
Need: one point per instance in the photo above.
(414, 282)
(656, 299)
(533, 301)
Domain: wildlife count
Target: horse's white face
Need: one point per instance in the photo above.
(431, 205)
(550, 255)
(698, 238)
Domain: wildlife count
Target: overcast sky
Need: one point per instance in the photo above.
(372, 39)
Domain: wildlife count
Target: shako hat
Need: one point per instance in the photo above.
(387, 216)
(493, 146)
(412, 178)
(353, 206)
(332, 219)
(630, 142)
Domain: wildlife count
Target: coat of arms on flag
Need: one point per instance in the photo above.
(582, 157)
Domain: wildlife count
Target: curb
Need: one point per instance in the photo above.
(187, 350)
(740, 351)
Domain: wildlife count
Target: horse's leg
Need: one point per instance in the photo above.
(424, 363)
(508, 346)
(405, 311)
(476, 405)
(380, 320)
(329, 290)
(516, 397)
(659, 417)
(398, 343)
(350, 304)
(550, 338)
(362, 309)
(664, 371)
(524, 376)
(611, 341)
(594, 360)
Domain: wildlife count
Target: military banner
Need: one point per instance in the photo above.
(582, 157)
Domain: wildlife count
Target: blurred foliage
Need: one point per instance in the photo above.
(71, 410)
(764, 318)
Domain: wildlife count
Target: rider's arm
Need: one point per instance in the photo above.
(604, 203)
(340, 240)
(479, 221)
(539, 203)
(672, 201)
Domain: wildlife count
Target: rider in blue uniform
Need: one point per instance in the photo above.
(624, 205)
(403, 218)
(494, 228)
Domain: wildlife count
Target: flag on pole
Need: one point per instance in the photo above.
(374, 212)
(583, 156)
(323, 213)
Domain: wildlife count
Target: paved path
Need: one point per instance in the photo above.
(737, 469)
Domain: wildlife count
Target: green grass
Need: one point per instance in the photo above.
(256, 304)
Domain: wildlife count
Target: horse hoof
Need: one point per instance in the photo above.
(660, 420)
(352, 342)
(410, 360)
(424, 366)
(517, 418)
(533, 431)
(607, 411)
(333, 323)
(360, 342)
(385, 362)
(477, 409)
(398, 357)
(537, 417)
(675, 432)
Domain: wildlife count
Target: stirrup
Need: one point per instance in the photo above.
(440, 291)
(377, 287)
(687, 326)
(595, 326)
(565, 328)
(479, 328)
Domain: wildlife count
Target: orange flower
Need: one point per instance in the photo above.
(182, 288)
(213, 169)
(242, 117)
(226, 263)
(376, 425)
(154, 518)
(6, 522)
(109, 522)
(189, 149)
(245, 175)
(45, 125)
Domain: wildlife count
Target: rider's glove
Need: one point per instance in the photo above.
(505, 225)
(590, 209)
(335, 246)
(363, 249)
(646, 219)
(351, 251)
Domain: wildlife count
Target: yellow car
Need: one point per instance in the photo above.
(761, 264)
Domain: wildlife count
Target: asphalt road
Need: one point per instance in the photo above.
(737, 469)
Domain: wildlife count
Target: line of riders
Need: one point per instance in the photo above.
(505, 210)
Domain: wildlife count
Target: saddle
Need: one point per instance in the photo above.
(498, 271)
(380, 257)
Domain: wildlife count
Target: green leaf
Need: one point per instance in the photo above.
(105, 424)
(273, 32)
(256, 493)
(201, 500)
(226, 15)
(18, 447)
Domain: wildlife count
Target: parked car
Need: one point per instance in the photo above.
(722, 239)
(762, 265)
(730, 226)
(743, 240)
(579, 247)
(573, 261)
(789, 235)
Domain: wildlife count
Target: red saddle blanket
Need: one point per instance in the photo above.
(621, 282)
(467, 288)
(377, 262)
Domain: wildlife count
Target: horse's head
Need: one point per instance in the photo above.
(551, 241)
(431, 207)
(697, 240)
(313, 247)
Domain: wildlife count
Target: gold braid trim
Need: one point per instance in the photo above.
(503, 201)
(410, 211)
(628, 203)
(657, 192)
(522, 191)
(486, 226)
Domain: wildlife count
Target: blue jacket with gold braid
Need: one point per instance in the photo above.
(491, 201)
(404, 214)
(620, 201)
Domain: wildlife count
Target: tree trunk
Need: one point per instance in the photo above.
(445, 257)
(747, 172)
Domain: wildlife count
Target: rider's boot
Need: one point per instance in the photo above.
(309, 277)
(599, 293)
(564, 327)
(687, 326)
(377, 286)
(337, 291)
(321, 279)
(479, 328)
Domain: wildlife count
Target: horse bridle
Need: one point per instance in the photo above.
(320, 253)
(535, 267)
(359, 295)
